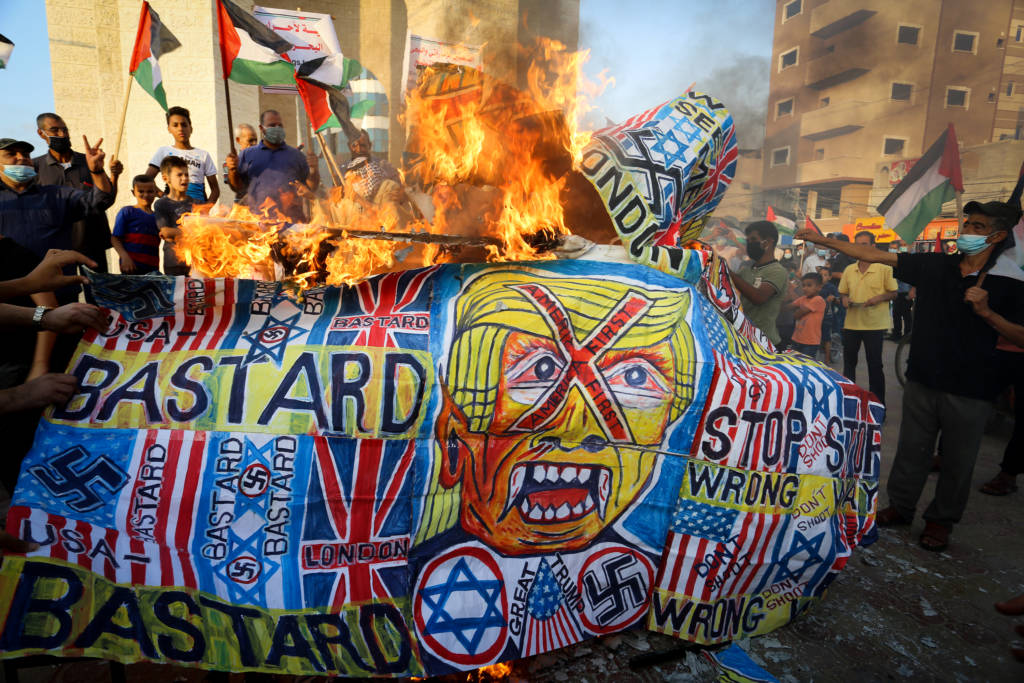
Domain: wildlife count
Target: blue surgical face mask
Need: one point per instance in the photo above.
(274, 135)
(19, 173)
(821, 252)
(972, 244)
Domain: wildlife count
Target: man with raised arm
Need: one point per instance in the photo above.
(964, 302)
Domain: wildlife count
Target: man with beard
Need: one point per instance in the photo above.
(762, 281)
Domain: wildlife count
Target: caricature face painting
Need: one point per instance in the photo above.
(558, 394)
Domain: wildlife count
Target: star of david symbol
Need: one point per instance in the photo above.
(801, 544)
(469, 631)
(271, 340)
(669, 146)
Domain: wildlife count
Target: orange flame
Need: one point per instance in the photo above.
(492, 160)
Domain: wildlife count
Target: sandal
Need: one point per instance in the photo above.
(890, 516)
(1014, 607)
(935, 537)
(1002, 484)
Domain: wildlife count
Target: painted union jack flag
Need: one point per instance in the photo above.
(355, 540)
(389, 311)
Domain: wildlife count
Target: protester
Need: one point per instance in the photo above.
(902, 308)
(171, 207)
(964, 302)
(30, 318)
(61, 165)
(245, 137)
(201, 167)
(267, 170)
(374, 181)
(762, 282)
(830, 320)
(813, 259)
(808, 312)
(136, 238)
(40, 217)
(866, 288)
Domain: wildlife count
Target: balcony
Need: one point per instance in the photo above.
(826, 170)
(837, 16)
(842, 65)
(832, 121)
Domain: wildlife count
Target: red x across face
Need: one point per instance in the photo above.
(580, 361)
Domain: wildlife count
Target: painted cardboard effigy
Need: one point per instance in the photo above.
(439, 469)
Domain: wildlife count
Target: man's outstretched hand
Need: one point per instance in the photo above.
(49, 275)
(73, 318)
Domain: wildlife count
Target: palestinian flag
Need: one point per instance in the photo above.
(152, 41)
(786, 226)
(6, 48)
(321, 83)
(931, 182)
(249, 51)
(811, 225)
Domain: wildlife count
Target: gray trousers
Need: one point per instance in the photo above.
(961, 420)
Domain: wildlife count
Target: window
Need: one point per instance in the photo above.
(999, 42)
(991, 97)
(1009, 89)
(780, 156)
(819, 154)
(901, 91)
(893, 146)
(784, 108)
(825, 101)
(964, 41)
(1018, 33)
(792, 9)
(908, 35)
(957, 97)
(788, 59)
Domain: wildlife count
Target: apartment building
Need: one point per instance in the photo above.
(856, 84)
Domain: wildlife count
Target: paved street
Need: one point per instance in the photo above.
(896, 612)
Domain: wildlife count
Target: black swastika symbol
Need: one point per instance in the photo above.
(73, 478)
(622, 590)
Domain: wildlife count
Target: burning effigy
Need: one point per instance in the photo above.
(375, 463)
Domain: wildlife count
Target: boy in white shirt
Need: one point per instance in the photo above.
(200, 164)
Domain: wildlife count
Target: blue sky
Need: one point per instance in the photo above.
(653, 48)
(26, 81)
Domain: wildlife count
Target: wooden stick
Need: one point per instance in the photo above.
(231, 123)
(124, 114)
(336, 230)
(332, 163)
(959, 213)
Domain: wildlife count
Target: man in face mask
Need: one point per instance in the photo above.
(61, 165)
(40, 217)
(270, 166)
(762, 280)
(814, 259)
(964, 302)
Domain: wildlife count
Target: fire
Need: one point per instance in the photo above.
(491, 160)
(495, 672)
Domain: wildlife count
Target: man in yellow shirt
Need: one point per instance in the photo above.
(867, 289)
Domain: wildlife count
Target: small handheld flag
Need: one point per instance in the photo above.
(152, 40)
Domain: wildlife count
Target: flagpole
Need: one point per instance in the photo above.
(329, 159)
(959, 212)
(124, 114)
(231, 123)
